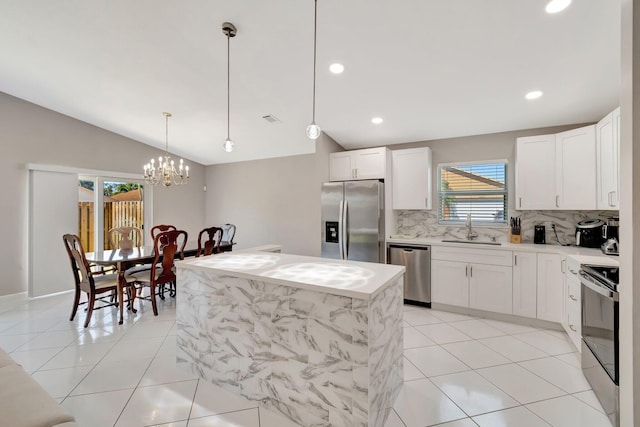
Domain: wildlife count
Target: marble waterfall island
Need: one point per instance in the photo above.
(317, 340)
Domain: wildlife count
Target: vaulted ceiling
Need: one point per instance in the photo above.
(431, 69)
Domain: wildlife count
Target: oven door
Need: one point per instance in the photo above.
(600, 323)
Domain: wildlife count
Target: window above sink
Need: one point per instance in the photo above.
(478, 189)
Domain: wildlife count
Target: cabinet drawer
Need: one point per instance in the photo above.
(573, 267)
(573, 292)
(472, 255)
(573, 328)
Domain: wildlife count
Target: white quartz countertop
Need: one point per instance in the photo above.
(582, 255)
(352, 279)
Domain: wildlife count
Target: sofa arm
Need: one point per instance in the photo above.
(24, 403)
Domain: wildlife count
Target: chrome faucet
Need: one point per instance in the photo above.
(470, 234)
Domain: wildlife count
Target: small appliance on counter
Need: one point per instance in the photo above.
(611, 236)
(589, 233)
(539, 234)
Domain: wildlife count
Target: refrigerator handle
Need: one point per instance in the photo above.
(345, 218)
(340, 228)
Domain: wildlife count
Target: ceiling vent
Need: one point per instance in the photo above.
(271, 118)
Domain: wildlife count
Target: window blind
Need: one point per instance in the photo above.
(478, 189)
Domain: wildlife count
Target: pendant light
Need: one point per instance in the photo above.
(313, 130)
(229, 30)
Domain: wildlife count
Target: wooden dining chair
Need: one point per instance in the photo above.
(166, 246)
(125, 238)
(160, 228)
(209, 241)
(228, 233)
(86, 282)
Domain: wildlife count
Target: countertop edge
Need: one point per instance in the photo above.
(591, 255)
(192, 264)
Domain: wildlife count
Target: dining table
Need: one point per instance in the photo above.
(122, 260)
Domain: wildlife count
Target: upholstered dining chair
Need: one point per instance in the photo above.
(125, 238)
(86, 282)
(166, 246)
(209, 241)
(228, 233)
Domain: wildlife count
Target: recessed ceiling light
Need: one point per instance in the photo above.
(534, 94)
(555, 6)
(377, 120)
(336, 68)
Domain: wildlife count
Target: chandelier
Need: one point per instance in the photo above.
(166, 172)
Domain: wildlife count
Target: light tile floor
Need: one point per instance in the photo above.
(460, 371)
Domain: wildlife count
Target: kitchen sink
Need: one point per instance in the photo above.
(473, 242)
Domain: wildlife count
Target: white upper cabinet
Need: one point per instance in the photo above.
(370, 163)
(536, 172)
(341, 166)
(608, 161)
(575, 169)
(557, 171)
(411, 175)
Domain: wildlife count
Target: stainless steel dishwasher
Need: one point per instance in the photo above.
(417, 277)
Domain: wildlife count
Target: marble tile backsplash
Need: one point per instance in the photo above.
(424, 224)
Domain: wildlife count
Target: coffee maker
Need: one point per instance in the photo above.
(610, 234)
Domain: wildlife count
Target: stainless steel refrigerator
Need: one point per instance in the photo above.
(353, 220)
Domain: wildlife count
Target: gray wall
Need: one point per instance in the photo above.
(32, 134)
(480, 148)
(273, 200)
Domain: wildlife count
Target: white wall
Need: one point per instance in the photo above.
(32, 134)
(273, 200)
(629, 214)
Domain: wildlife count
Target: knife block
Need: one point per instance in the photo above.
(515, 238)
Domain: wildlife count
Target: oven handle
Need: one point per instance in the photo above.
(590, 283)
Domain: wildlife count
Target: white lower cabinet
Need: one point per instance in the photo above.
(550, 282)
(572, 310)
(490, 288)
(525, 281)
(545, 286)
(449, 283)
(458, 278)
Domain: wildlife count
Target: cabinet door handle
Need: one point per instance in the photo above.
(573, 328)
(466, 271)
(470, 271)
(557, 204)
(519, 202)
(573, 297)
(515, 260)
(426, 202)
(356, 173)
(563, 265)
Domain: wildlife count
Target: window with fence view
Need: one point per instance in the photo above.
(122, 207)
(478, 189)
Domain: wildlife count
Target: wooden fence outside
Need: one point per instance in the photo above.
(116, 214)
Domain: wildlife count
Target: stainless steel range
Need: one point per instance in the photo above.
(600, 344)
